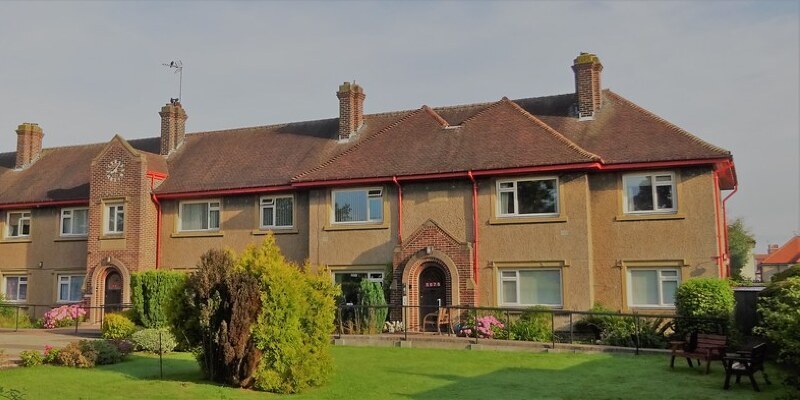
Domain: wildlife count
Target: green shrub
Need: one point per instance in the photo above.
(117, 326)
(124, 346)
(295, 321)
(31, 358)
(704, 305)
(50, 355)
(78, 354)
(155, 340)
(618, 330)
(779, 277)
(107, 353)
(780, 323)
(534, 325)
(371, 294)
(8, 316)
(152, 292)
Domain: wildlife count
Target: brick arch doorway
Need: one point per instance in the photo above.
(112, 290)
(432, 289)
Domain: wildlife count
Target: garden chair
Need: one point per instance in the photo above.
(746, 363)
(701, 347)
(438, 318)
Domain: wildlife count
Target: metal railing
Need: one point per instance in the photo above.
(633, 330)
(29, 311)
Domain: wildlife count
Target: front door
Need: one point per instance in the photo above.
(432, 294)
(113, 294)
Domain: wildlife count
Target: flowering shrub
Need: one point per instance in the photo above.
(62, 316)
(485, 327)
(50, 355)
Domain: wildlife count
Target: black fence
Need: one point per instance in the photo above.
(553, 326)
(16, 315)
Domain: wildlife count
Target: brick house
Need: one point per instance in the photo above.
(561, 200)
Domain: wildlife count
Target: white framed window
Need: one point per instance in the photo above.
(277, 212)
(652, 287)
(527, 197)
(69, 288)
(15, 287)
(74, 221)
(18, 224)
(114, 216)
(350, 282)
(199, 216)
(530, 287)
(649, 193)
(357, 206)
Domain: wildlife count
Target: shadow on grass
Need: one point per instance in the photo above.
(177, 367)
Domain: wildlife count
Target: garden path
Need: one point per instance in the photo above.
(12, 343)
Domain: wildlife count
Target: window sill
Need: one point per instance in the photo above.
(284, 231)
(197, 234)
(71, 239)
(354, 227)
(648, 217)
(14, 240)
(527, 220)
(651, 308)
(111, 236)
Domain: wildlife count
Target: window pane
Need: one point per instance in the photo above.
(80, 219)
(266, 216)
(11, 288)
(509, 274)
(26, 226)
(66, 224)
(640, 193)
(537, 197)
(509, 291)
(193, 216)
(665, 273)
(664, 193)
(375, 209)
(63, 291)
(75, 288)
(507, 202)
(540, 287)
(23, 289)
(111, 216)
(350, 206)
(668, 289)
(213, 218)
(644, 287)
(283, 211)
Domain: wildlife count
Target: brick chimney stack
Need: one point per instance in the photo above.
(587, 70)
(351, 109)
(29, 144)
(173, 126)
(771, 248)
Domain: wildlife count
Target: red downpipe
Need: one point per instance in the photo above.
(475, 232)
(725, 218)
(399, 210)
(718, 213)
(158, 220)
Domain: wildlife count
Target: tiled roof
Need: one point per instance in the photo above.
(529, 132)
(789, 253)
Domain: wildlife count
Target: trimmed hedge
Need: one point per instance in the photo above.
(152, 293)
(704, 305)
(117, 326)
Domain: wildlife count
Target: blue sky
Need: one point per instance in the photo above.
(725, 71)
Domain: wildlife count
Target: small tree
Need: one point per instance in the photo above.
(740, 245)
(371, 295)
(704, 305)
(781, 323)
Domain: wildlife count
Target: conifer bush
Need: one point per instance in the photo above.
(152, 292)
(371, 294)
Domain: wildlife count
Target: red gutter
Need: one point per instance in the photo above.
(661, 164)
(475, 232)
(399, 210)
(153, 177)
(208, 193)
(37, 204)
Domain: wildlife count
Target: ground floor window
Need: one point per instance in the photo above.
(16, 288)
(652, 287)
(69, 287)
(530, 287)
(350, 281)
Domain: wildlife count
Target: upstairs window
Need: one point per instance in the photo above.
(358, 206)
(199, 216)
(277, 212)
(649, 193)
(527, 197)
(16, 288)
(69, 287)
(74, 221)
(114, 215)
(18, 224)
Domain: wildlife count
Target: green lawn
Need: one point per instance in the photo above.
(393, 373)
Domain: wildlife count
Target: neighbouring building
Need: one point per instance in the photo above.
(777, 259)
(562, 201)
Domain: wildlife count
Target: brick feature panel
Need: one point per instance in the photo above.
(29, 144)
(587, 68)
(351, 109)
(173, 127)
(411, 258)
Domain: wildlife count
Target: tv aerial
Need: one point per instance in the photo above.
(178, 67)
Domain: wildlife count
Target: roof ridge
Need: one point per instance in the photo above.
(354, 147)
(670, 125)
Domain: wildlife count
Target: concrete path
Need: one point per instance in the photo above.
(12, 343)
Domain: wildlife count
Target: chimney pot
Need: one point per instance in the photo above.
(29, 144)
(351, 109)
(173, 126)
(587, 68)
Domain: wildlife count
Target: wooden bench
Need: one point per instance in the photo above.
(701, 347)
(746, 363)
